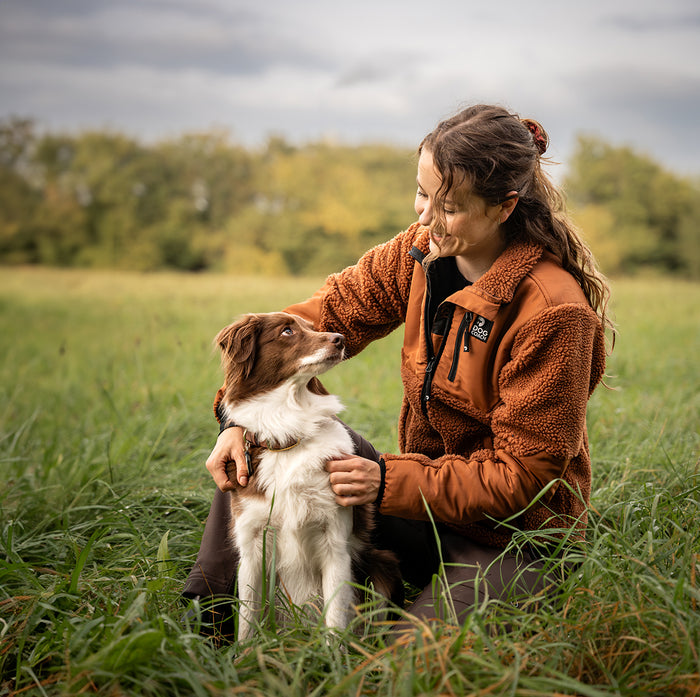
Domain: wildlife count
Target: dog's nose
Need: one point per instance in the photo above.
(338, 340)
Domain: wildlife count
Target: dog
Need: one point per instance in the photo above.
(287, 514)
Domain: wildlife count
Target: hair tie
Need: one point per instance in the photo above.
(539, 137)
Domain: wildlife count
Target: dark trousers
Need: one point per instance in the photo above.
(471, 571)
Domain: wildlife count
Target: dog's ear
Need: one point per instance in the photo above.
(238, 342)
(315, 386)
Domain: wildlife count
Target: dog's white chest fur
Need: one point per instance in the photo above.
(294, 488)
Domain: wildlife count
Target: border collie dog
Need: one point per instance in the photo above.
(288, 512)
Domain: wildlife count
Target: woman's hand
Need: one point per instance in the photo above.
(354, 480)
(227, 453)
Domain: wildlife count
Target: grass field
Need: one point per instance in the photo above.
(106, 383)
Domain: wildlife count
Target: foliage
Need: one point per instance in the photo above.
(101, 199)
(634, 214)
(200, 201)
(105, 421)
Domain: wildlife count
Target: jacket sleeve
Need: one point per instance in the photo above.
(366, 301)
(538, 426)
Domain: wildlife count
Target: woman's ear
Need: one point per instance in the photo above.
(508, 206)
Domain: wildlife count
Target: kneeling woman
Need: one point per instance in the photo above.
(504, 315)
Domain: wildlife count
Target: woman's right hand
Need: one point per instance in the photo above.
(228, 452)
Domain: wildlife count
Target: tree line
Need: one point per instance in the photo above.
(202, 202)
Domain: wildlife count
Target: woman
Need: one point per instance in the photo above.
(504, 317)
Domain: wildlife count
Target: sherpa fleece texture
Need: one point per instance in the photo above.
(519, 353)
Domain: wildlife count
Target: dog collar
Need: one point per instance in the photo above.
(250, 439)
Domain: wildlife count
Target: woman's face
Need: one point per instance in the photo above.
(471, 226)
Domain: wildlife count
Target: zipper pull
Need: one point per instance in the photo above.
(429, 369)
(427, 381)
(467, 331)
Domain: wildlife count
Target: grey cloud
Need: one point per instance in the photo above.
(361, 74)
(172, 36)
(676, 96)
(360, 71)
(377, 68)
(656, 112)
(654, 23)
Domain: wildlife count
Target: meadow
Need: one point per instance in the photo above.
(106, 384)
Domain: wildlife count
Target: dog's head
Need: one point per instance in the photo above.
(261, 351)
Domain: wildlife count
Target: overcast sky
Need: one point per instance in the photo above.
(365, 70)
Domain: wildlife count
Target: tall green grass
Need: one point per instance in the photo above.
(106, 383)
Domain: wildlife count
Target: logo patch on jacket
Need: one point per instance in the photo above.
(481, 328)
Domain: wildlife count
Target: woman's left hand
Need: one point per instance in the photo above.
(354, 480)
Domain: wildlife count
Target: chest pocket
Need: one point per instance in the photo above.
(466, 369)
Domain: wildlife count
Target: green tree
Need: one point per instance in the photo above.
(321, 205)
(635, 214)
(18, 199)
(200, 201)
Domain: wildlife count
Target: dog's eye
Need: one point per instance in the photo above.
(287, 331)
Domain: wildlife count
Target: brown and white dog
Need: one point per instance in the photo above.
(271, 363)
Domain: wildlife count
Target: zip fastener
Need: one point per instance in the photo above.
(462, 333)
(429, 374)
(427, 378)
(433, 360)
(427, 383)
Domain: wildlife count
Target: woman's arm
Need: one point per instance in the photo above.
(366, 301)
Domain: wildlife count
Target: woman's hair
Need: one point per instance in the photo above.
(496, 153)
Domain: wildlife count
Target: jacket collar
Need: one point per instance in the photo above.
(498, 285)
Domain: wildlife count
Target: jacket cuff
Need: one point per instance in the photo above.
(380, 493)
(224, 423)
(217, 404)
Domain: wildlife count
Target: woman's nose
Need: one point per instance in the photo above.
(425, 213)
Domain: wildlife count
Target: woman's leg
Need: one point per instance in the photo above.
(472, 574)
(214, 572)
(213, 576)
